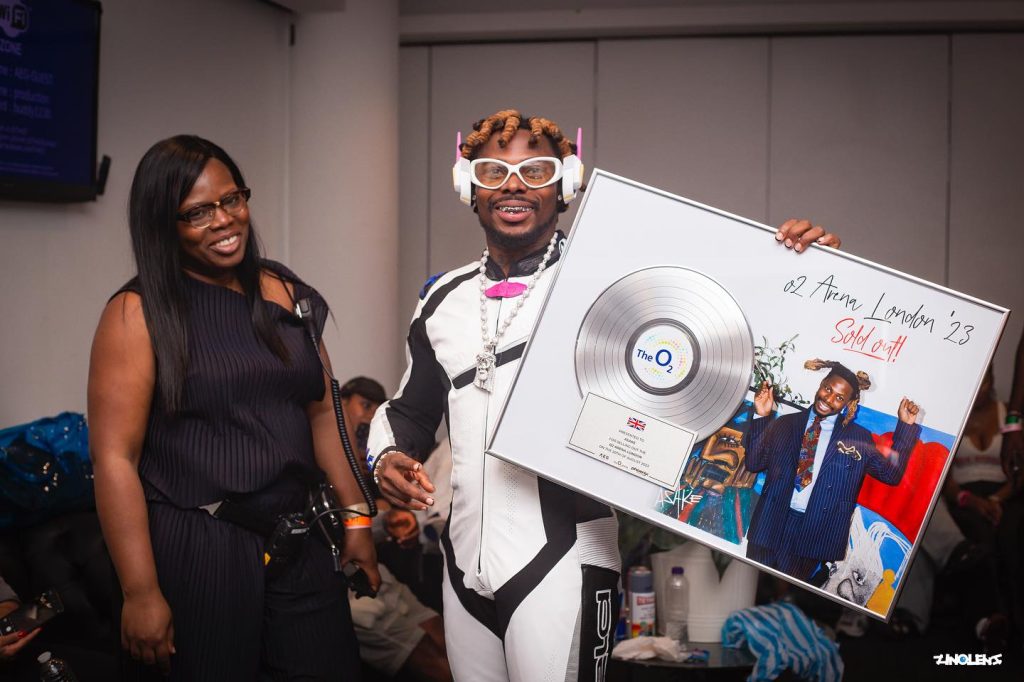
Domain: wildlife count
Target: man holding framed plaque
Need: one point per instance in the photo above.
(532, 568)
(816, 460)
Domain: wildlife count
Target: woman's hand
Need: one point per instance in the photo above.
(359, 549)
(11, 644)
(991, 510)
(402, 526)
(147, 629)
(403, 482)
(764, 400)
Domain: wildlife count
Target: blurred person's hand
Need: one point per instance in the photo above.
(402, 526)
(11, 644)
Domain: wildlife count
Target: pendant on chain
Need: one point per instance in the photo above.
(485, 365)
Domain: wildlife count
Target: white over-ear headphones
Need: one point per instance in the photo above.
(572, 173)
(460, 174)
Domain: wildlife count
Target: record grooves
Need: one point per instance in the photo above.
(671, 342)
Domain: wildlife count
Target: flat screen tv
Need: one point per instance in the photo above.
(49, 80)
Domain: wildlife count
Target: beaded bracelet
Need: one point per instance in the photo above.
(1010, 427)
(376, 467)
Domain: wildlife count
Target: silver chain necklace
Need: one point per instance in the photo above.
(486, 359)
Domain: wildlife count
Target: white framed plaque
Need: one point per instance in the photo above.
(668, 313)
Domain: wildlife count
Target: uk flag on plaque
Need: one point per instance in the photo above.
(635, 423)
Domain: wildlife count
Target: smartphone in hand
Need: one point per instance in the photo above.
(33, 614)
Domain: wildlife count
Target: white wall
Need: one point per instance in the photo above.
(344, 179)
(217, 69)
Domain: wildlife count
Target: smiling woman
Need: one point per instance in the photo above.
(206, 394)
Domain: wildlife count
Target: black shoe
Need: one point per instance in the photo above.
(965, 556)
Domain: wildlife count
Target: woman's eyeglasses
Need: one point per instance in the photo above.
(233, 203)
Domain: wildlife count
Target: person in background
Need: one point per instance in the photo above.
(11, 644)
(396, 632)
(977, 488)
(977, 491)
(949, 559)
(1010, 538)
(20, 649)
(1011, 453)
(207, 394)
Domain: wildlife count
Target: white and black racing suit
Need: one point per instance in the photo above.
(531, 568)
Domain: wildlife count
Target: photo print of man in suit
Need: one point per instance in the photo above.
(815, 461)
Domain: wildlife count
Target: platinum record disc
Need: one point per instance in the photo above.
(671, 342)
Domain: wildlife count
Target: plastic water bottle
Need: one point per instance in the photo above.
(641, 602)
(53, 669)
(677, 605)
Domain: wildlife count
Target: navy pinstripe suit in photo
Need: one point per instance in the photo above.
(773, 445)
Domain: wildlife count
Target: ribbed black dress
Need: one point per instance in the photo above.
(242, 432)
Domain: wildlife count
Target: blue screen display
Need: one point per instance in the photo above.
(49, 55)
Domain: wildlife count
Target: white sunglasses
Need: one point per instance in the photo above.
(536, 172)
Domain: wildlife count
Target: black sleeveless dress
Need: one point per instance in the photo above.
(242, 432)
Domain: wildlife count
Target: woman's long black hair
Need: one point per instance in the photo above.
(163, 178)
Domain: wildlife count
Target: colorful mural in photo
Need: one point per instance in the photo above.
(718, 494)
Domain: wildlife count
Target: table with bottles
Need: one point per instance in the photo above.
(723, 663)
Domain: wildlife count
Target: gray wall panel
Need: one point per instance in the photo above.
(413, 182)
(986, 246)
(859, 144)
(688, 116)
(469, 82)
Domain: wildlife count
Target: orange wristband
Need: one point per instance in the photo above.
(357, 522)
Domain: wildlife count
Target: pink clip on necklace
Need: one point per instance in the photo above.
(505, 289)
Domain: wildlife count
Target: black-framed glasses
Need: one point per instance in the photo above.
(233, 203)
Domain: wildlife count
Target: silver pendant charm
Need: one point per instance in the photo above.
(485, 365)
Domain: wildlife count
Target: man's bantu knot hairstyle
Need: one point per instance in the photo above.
(506, 122)
(860, 381)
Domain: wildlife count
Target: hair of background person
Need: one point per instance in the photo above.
(366, 387)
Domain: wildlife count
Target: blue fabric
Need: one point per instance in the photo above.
(44, 470)
(782, 637)
(429, 283)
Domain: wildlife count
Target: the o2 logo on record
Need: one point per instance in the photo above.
(662, 356)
